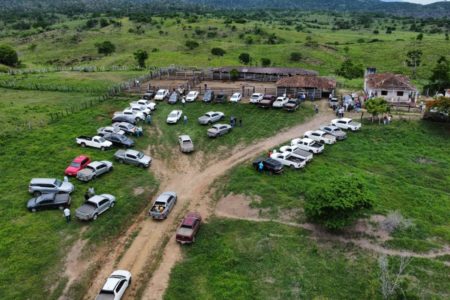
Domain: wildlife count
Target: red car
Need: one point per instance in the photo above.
(188, 228)
(79, 163)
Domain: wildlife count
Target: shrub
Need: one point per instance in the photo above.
(105, 48)
(8, 56)
(265, 62)
(350, 70)
(140, 56)
(218, 51)
(244, 58)
(394, 220)
(296, 56)
(190, 44)
(376, 107)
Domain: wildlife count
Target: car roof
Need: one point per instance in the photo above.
(96, 198)
(185, 137)
(307, 140)
(345, 119)
(132, 152)
(111, 283)
(219, 125)
(189, 220)
(43, 180)
(95, 164)
(192, 92)
(176, 111)
(47, 196)
(165, 196)
(257, 94)
(80, 158)
(319, 131)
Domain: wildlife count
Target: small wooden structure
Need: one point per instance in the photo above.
(313, 87)
(258, 74)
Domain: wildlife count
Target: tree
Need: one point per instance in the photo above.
(419, 37)
(338, 201)
(296, 56)
(440, 77)
(105, 47)
(413, 60)
(376, 107)
(245, 58)
(234, 74)
(191, 44)
(265, 62)
(218, 51)
(350, 70)
(141, 56)
(8, 56)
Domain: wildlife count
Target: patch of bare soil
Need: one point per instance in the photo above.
(236, 205)
(138, 191)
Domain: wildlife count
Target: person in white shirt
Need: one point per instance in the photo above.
(66, 212)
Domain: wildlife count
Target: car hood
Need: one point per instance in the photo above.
(189, 146)
(145, 159)
(339, 133)
(31, 203)
(85, 210)
(204, 119)
(85, 172)
(212, 130)
(67, 187)
(71, 169)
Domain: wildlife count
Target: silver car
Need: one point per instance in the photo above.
(95, 206)
(186, 144)
(218, 130)
(163, 205)
(94, 169)
(211, 117)
(335, 131)
(40, 186)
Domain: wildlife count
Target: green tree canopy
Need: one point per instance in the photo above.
(140, 56)
(377, 106)
(244, 58)
(218, 51)
(350, 70)
(296, 56)
(265, 62)
(105, 48)
(190, 44)
(8, 56)
(414, 59)
(440, 77)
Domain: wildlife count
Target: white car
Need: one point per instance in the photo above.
(307, 156)
(191, 96)
(280, 102)
(109, 129)
(308, 145)
(288, 159)
(346, 123)
(174, 116)
(138, 114)
(149, 104)
(115, 286)
(320, 136)
(141, 108)
(94, 142)
(335, 131)
(161, 95)
(236, 97)
(256, 98)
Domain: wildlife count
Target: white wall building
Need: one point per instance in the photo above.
(395, 88)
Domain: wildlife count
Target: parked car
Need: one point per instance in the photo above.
(95, 206)
(109, 129)
(119, 140)
(291, 105)
(49, 201)
(308, 145)
(192, 96)
(307, 156)
(188, 228)
(124, 118)
(186, 144)
(346, 123)
(320, 136)
(209, 96)
(79, 163)
(218, 130)
(173, 99)
(333, 102)
(256, 98)
(161, 95)
(149, 104)
(267, 101)
(128, 128)
(163, 205)
(138, 108)
(288, 159)
(211, 117)
(133, 157)
(269, 164)
(136, 115)
(174, 116)
(335, 131)
(149, 94)
(236, 97)
(94, 170)
(40, 186)
(94, 142)
(280, 102)
(221, 98)
(115, 286)
(181, 90)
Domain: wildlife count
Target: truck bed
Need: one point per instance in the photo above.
(305, 154)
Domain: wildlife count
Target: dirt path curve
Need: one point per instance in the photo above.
(191, 182)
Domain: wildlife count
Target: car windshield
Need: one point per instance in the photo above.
(191, 94)
(173, 115)
(75, 164)
(140, 155)
(58, 182)
(101, 140)
(160, 92)
(186, 142)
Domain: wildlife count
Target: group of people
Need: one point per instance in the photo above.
(234, 121)
(387, 119)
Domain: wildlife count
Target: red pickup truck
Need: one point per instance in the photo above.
(188, 228)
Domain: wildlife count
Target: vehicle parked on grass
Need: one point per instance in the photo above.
(133, 157)
(292, 105)
(40, 186)
(335, 131)
(211, 117)
(128, 128)
(124, 118)
(109, 129)
(209, 96)
(269, 164)
(119, 140)
(280, 102)
(236, 97)
(149, 94)
(49, 201)
(79, 163)
(94, 170)
(161, 95)
(218, 130)
(95, 206)
(320, 136)
(308, 145)
(220, 98)
(149, 104)
(137, 115)
(173, 99)
(192, 96)
(288, 159)
(346, 123)
(94, 142)
(267, 101)
(163, 205)
(186, 144)
(256, 98)
(307, 156)
(174, 116)
(188, 228)
(137, 108)
(333, 102)
(115, 286)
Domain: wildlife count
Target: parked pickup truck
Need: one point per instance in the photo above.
(133, 157)
(307, 156)
(94, 142)
(145, 102)
(308, 145)
(320, 136)
(49, 201)
(95, 206)
(292, 105)
(288, 159)
(334, 131)
(94, 170)
(346, 123)
(163, 205)
(188, 228)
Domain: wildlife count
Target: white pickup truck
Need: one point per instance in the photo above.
(307, 156)
(320, 136)
(308, 145)
(346, 123)
(94, 142)
(149, 104)
(288, 159)
(137, 115)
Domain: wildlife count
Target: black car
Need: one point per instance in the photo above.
(124, 118)
(209, 96)
(269, 164)
(49, 201)
(119, 140)
(173, 99)
(221, 98)
(291, 105)
(149, 95)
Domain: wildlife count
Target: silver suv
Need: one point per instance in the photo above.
(40, 186)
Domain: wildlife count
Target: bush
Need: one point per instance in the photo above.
(190, 44)
(105, 48)
(265, 62)
(218, 51)
(244, 58)
(8, 56)
(395, 220)
(337, 202)
(350, 70)
(140, 56)
(296, 56)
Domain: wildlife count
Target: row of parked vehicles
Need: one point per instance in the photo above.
(301, 150)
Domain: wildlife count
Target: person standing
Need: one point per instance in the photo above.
(91, 191)
(148, 119)
(183, 101)
(260, 167)
(185, 119)
(316, 108)
(86, 196)
(66, 179)
(240, 122)
(270, 153)
(66, 212)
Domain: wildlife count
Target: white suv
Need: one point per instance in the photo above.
(346, 123)
(115, 286)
